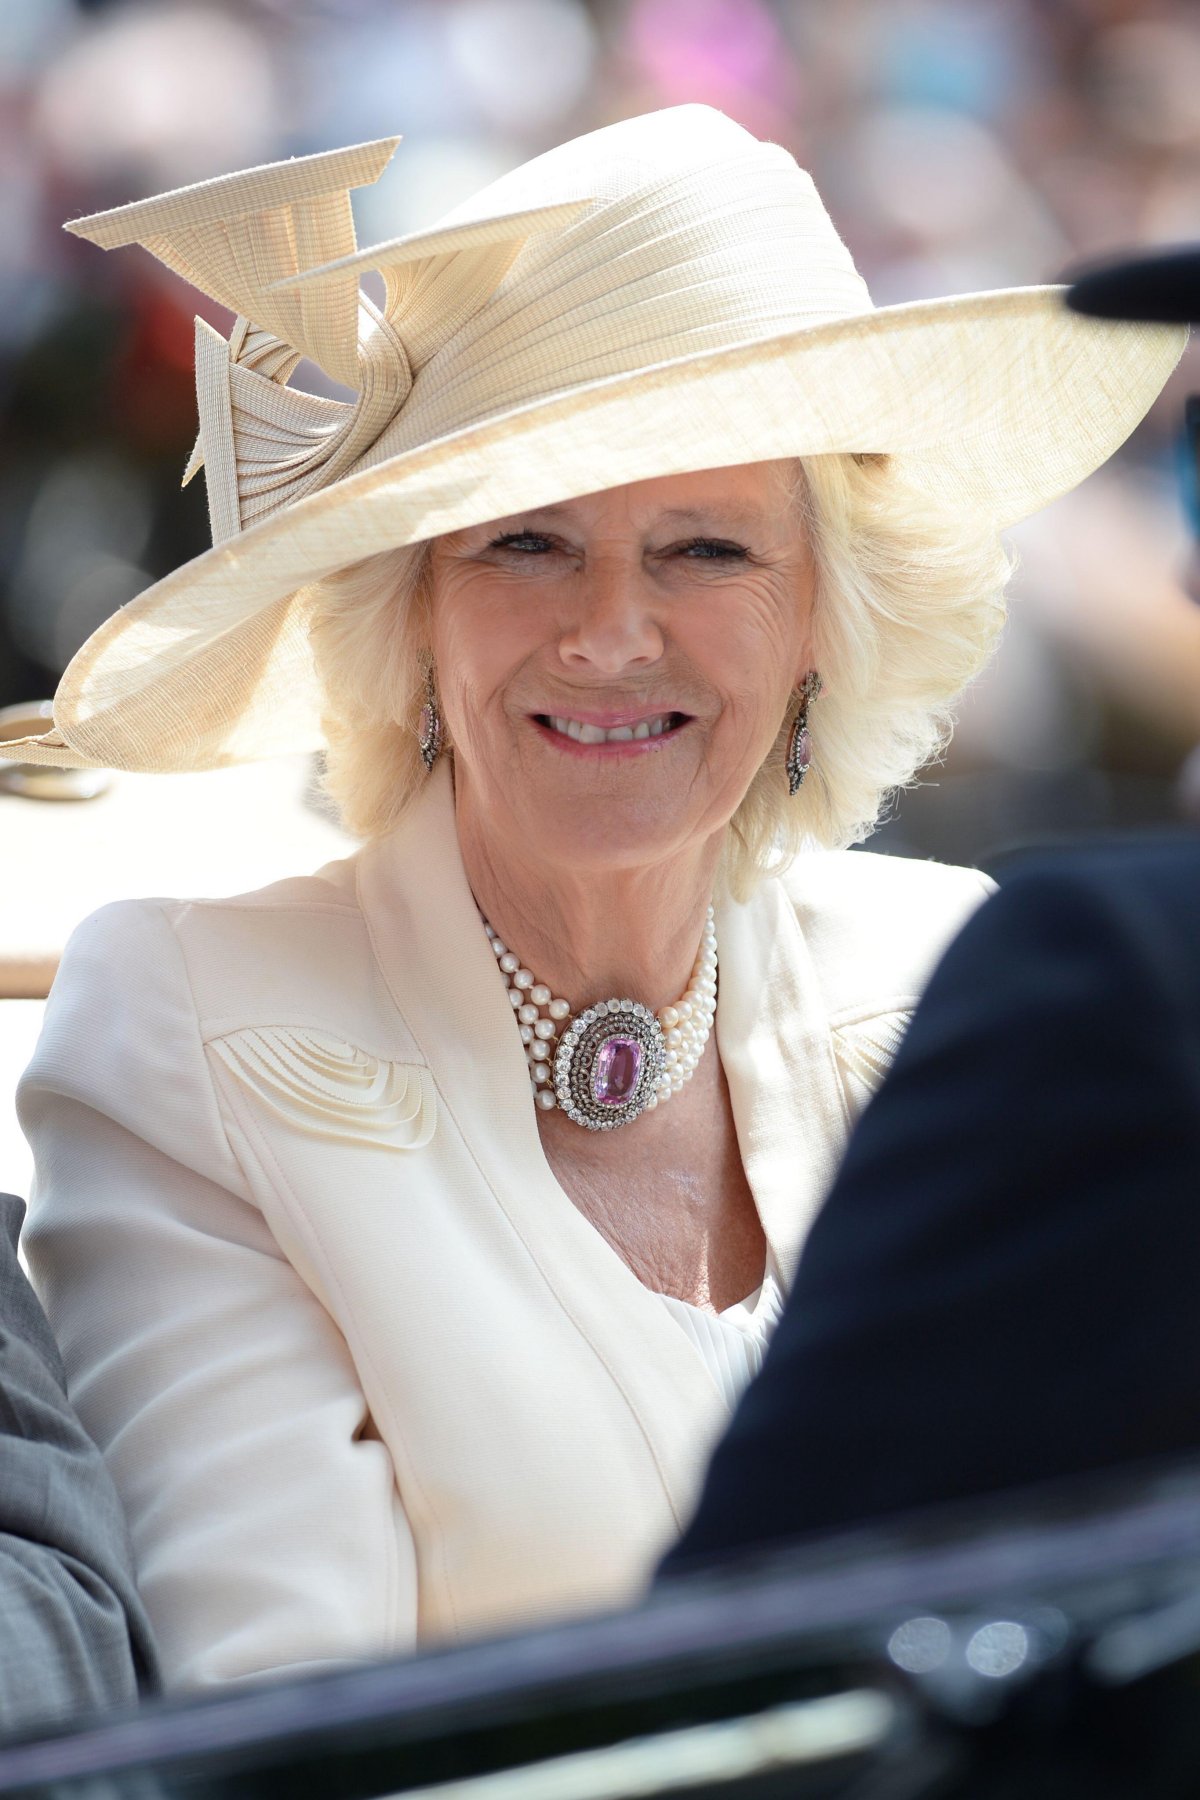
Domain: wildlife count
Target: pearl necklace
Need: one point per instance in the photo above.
(617, 1059)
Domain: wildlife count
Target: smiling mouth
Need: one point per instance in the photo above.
(580, 731)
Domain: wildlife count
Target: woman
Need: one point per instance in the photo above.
(404, 1276)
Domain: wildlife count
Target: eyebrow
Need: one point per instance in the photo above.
(727, 512)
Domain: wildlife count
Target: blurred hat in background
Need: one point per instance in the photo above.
(1163, 288)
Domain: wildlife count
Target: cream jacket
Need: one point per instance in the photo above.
(365, 1377)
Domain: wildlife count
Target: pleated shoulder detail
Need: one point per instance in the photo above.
(865, 1049)
(323, 1085)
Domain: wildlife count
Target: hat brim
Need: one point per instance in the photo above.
(997, 402)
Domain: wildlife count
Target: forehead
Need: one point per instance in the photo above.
(747, 493)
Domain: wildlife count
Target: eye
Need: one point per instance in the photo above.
(714, 550)
(525, 543)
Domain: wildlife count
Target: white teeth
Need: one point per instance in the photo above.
(618, 734)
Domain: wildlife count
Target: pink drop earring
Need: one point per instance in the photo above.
(799, 745)
(429, 724)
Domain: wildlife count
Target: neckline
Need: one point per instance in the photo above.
(772, 1037)
(750, 1305)
(606, 1251)
(494, 1023)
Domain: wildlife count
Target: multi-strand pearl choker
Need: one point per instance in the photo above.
(617, 1059)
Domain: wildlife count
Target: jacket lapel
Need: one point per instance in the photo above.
(777, 1053)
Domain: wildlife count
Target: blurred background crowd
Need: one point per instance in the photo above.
(959, 144)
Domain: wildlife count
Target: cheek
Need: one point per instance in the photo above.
(478, 643)
(755, 649)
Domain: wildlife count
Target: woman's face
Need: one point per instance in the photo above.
(613, 670)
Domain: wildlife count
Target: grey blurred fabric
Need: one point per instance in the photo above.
(73, 1635)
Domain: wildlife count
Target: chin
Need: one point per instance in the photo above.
(605, 838)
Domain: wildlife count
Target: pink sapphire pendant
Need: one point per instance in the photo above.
(607, 1066)
(615, 1071)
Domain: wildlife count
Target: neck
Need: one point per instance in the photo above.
(600, 933)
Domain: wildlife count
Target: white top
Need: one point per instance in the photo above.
(732, 1343)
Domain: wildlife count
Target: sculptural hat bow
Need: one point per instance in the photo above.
(277, 246)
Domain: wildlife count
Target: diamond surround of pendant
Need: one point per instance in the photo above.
(607, 1066)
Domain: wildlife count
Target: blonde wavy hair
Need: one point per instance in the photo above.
(908, 606)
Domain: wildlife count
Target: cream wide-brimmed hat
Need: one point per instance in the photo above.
(664, 295)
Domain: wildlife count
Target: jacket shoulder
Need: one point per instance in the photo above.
(122, 922)
(876, 925)
(295, 953)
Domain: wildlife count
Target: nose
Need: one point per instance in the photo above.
(614, 627)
